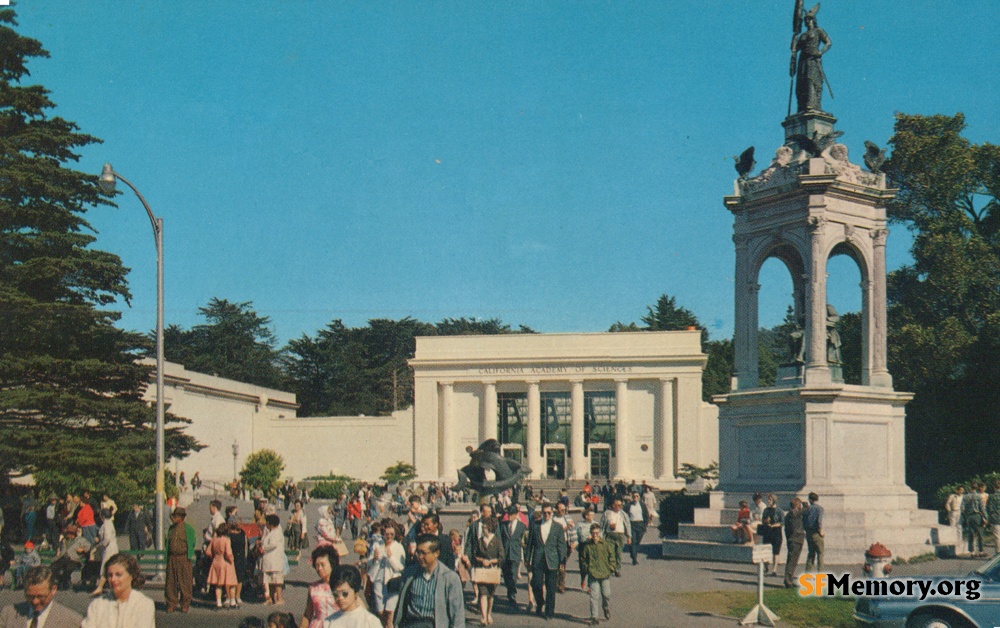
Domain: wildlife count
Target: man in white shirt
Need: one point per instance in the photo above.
(954, 508)
(545, 552)
(638, 519)
(566, 522)
(615, 527)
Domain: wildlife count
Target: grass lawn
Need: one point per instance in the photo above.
(811, 612)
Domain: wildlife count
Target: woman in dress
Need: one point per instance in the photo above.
(326, 528)
(125, 607)
(222, 573)
(320, 602)
(389, 577)
(273, 561)
(106, 546)
(238, 541)
(346, 584)
(488, 552)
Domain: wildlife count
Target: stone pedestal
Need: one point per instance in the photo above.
(845, 443)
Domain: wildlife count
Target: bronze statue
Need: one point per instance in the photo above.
(806, 66)
(506, 472)
(833, 343)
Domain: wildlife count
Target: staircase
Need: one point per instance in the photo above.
(848, 534)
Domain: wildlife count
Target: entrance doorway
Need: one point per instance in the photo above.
(600, 462)
(555, 463)
(513, 452)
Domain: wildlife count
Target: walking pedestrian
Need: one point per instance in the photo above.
(545, 552)
(597, 558)
(812, 522)
(795, 537)
(181, 540)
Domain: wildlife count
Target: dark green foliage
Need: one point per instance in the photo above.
(850, 338)
(666, 315)
(364, 370)
(717, 377)
(234, 342)
(944, 309)
(71, 409)
(399, 472)
(262, 469)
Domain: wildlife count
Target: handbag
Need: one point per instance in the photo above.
(486, 575)
(340, 547)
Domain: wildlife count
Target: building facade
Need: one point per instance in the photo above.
(569, 406)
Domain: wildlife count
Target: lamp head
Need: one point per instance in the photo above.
(107, 180)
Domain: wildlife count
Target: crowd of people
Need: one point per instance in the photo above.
(802, 524)
(975, 515)
(401, 569)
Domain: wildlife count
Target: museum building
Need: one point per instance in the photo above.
(569, 406)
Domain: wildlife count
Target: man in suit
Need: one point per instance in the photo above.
(475, 529)
(39, 607)
(512, 536)
(546, 551)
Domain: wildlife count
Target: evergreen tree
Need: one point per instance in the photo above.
(235, 342)
(71, 411)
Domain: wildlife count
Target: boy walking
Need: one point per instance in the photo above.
(597, 559)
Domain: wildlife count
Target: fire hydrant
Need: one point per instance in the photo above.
(878, 561)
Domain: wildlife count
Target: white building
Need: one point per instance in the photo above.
(570, 406)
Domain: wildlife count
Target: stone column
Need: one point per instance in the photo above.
(866, 331)
(745, 365)
(578, 467)
(446, 443)
(533, 441)
(621, 429)
(488, 427)
(877, 337)
(817, 369)
(665, 445)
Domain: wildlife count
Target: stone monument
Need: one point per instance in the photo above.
(811, 431)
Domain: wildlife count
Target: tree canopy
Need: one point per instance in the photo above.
(71, 408)
(234, 342)
(944, 308)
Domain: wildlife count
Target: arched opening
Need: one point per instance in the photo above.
(777, 315)
(845, 291)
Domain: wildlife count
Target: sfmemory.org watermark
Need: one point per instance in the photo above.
(824, 584)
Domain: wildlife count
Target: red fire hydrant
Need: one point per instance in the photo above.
(878, 561)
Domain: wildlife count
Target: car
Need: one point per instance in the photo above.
(957, 611)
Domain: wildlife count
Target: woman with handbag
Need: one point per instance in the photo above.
(486, 572)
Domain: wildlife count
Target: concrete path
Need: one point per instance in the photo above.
(639, 598)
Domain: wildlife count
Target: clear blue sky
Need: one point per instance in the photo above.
(554, 164)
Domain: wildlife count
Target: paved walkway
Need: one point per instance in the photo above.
(639, 598)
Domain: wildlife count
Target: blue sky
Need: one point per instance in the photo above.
(553, 164)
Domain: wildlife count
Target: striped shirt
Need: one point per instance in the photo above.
(421, 598)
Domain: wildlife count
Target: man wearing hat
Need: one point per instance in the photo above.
(181, 541)
(74, 553)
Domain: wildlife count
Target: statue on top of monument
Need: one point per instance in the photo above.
(806, 66)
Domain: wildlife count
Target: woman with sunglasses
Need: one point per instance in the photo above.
(346, 584)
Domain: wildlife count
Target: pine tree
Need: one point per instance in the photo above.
(71, 411)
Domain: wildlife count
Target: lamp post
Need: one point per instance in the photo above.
(236, 452)
(107, 184)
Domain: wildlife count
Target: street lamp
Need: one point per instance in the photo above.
(107, 185)
(236, 452)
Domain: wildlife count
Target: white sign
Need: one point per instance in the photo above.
(762, 553)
